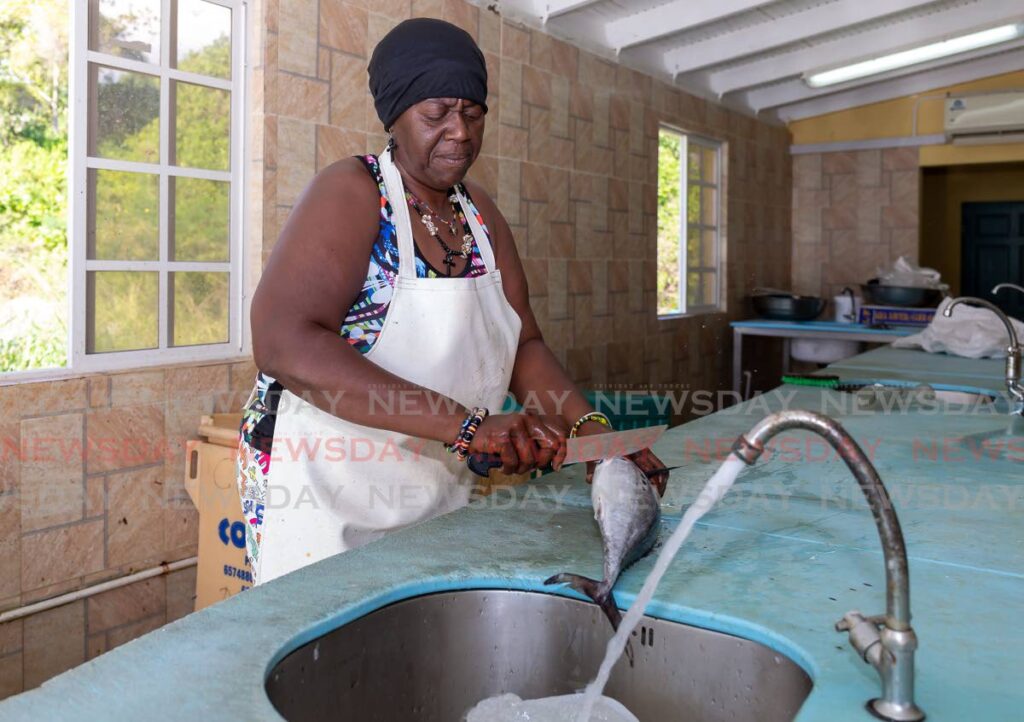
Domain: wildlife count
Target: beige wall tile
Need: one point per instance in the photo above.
(11, 679)
(296, 144)
(132, 389)
(10, 455)
(135, 515)
(537, 87)
(11, 637)
(378, 26)
(10, 546)
(508, 189)
(57, 555)
(99, 391)
(54, 642)
(117, 637)
(126, 605)
(510, 103)
(181, 527)
(302, 98)
(350, 101)
(120, 438)
(515, 42)
(334, 144)
(464, 15)
(181, 593)
(297, 50)
(428, 9)
(43, 397)
(343, 26)
(51, 475)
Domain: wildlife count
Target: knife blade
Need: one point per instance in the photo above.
(586, 448)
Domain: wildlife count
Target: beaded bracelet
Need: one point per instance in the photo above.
(460, 447)
(590, 416)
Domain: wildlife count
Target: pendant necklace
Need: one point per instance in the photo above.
(427, 217)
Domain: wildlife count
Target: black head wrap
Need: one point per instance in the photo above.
(425, 58)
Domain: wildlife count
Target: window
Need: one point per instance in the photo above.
(689, 233)
(156, 181)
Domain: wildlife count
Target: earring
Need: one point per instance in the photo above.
(391, 142)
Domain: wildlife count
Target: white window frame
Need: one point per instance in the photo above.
(686, 138)
(80, 163)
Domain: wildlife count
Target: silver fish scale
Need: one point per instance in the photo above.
(627, 511)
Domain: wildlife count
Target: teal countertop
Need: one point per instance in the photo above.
(790, 550)
(835, 326)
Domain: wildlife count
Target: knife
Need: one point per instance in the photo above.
(585, 448)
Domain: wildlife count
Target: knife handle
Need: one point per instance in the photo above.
(481, 464)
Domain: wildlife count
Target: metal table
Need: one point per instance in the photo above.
(788, 330)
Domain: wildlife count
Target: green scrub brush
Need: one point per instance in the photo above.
(820, 382)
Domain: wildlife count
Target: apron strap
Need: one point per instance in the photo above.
(482, 240)
(399, 215)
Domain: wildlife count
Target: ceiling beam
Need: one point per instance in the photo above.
(671, 18)
(784, 30)
(795, 91)
(548, 9)
(922, 82)
(879, 41)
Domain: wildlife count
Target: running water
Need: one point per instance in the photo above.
(510, 708)
(592, 706)
(710, 495)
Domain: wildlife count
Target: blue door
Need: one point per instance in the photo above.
(993, 252)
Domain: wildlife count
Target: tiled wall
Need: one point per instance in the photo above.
(569, 154)
(852, 212)
(92, 488)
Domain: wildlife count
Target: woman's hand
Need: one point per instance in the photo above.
(648, 462)
(555, 426)
(523, 441)
(645, 459)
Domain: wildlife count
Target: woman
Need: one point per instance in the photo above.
(367, 431)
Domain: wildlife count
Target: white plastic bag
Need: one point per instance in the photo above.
(905, 273)
(972, 332)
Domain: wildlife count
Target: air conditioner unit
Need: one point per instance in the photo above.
(988, 118)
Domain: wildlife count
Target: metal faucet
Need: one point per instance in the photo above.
(1013, 351)
(886, 642)
(1001, 286)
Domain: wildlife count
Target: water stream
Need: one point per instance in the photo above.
(592, 706)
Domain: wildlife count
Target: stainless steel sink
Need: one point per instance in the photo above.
(431, 658)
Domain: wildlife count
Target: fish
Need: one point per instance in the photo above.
(627, 513)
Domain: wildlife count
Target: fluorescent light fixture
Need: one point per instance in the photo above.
(921, 54)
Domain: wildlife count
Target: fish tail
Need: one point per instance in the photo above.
(598, 591)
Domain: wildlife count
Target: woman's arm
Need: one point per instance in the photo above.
(536, 369)
(537, 374)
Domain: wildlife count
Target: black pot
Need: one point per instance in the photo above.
(876, 294)
(788, 307)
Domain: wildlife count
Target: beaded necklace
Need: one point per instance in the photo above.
(427, 216)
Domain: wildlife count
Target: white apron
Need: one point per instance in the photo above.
(335, 485)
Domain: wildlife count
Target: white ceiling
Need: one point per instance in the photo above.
(752, 54)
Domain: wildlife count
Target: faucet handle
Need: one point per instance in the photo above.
(864, 634)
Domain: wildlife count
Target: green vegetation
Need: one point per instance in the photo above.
(33, 188)
(669, 164)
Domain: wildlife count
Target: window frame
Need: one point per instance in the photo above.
(80, 163)
(718, 146)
